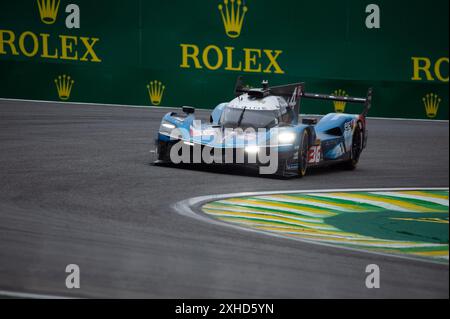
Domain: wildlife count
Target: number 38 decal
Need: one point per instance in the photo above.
(314, 154)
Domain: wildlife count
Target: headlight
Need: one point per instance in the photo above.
(166, 127)
(286, 138)
(252, 149)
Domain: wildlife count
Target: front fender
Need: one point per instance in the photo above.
(217, 113)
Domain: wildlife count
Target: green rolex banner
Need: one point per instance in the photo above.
(173, 53)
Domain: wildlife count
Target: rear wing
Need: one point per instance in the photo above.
(367, 101)
(294, 92)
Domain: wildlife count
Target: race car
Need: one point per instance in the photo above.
(262, 128)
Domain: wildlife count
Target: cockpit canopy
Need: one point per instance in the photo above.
(249, 111)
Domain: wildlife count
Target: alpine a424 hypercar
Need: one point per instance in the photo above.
(262, 128)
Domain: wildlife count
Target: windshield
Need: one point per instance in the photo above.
(231, 117)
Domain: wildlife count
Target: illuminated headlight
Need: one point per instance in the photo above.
(166, 127)
(252, 149)
(286, 138)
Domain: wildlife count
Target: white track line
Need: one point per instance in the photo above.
(173, 107)
(96, 104)
(185, 208)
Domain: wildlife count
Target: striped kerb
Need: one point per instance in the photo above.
(397, 222)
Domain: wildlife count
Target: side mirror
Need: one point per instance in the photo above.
(188, 109)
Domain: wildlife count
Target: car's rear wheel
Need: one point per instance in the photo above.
(357, 147)
(303, 154)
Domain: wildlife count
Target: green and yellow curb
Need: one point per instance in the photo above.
(401, 222)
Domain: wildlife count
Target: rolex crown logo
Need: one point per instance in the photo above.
(233, 16)
(339, 106)
(155, 91)
(48, 10)
(431, 102)
(64, 86)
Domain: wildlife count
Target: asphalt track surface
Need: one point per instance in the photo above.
(76, 187)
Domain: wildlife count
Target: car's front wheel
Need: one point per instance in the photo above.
(303, 154)
(160, 153)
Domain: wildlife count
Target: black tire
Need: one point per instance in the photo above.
(160, 154)
(357, 147)
(154, 155)
(303, 154)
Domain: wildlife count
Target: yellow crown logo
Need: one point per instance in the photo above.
(431, 102)
(233, 17)
(48, 10)
(155, 92)
(64, 86)
(339, 106)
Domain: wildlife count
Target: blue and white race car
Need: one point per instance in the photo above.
(261, 128)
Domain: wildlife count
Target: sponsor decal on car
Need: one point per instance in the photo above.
(314, 154)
